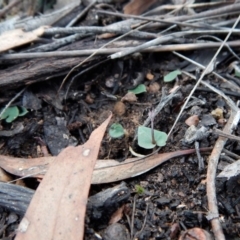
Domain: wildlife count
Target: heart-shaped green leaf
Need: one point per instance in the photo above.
(145, 138)
(10, 114)
(171, 76)
(116, 130)
(139, 89)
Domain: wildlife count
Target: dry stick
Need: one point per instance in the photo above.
(93, 54)
(226, 9)
(106, 51)
(211, 175)
(214, 73)
(212, 164)
(149, 19)
(211, 194)
(226, 135)
(144, 223)
(220, 40)
(231, 154)
(132, 219)
(8, 7)
(194, 5)
(81, 14)
(56, 44)
(163, 39)
(99, 30)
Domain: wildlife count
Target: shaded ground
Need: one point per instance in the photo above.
(174, 194)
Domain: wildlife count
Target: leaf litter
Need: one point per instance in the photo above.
(96, 88)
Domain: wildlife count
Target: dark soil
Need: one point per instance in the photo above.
(174, 194)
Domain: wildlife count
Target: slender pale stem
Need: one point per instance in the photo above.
(152, 129)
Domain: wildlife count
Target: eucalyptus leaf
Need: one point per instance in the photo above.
(139, 89)
(116, 130)
(145, 138)
(171, 76)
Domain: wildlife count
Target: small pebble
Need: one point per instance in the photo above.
(153, 88)
(116, 231)
(149, 76)
(119, 109)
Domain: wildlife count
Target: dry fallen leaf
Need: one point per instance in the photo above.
(58, 207)
(196, 234)
(18, 37)
(105, 171)
(137, 7)
(193, 120)
(117, 216)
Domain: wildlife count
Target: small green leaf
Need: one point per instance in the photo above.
(116, 130)
(145, 138)
(22, 111)
(139, 189)
(237, 71)
(171, 76)
(139, 89)
(10, 114)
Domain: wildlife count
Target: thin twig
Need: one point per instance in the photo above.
(164, 39)
(133, 212)
(202, 75)
(81, 14)
(220, 40)
(94, 53)
(212, 165)
(194, 5)
(144, 223)
(226, 135)
(151, 19)
(231, 154)
(99, 30)
(203, 67)
(206, 14)
(106, 51)
(9, 7)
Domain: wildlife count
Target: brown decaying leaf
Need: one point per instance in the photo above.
(4, 176)
(193, 120)
(136, 7)
(58, 207)
(129, 97)
(105, 171)
(196, 234)
(117, 216)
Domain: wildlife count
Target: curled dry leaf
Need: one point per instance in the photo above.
(137, 7)
(105, 171)
(129, 97)
(193, 120)
(117, 216)
(4, 176)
